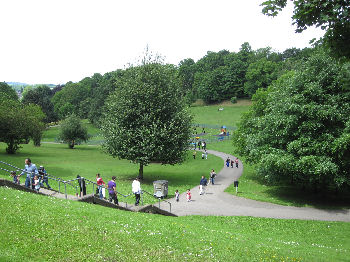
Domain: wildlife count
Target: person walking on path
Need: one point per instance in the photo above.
(228, 162)
(112, 191)
(212, 176)
(100, 184)
(199, 145)
(236, 162)
(30, 170)
(43, 177)
(188, 195)
(202, 184)
(136, 189)
(177, 195)
(232, 163)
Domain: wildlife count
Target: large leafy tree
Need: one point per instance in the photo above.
(19, 123)
(72, 131)
(7, 92)
(146, 119)
(297, 130)
(331, 16)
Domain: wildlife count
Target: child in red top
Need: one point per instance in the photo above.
(188, 195)
(100, 182)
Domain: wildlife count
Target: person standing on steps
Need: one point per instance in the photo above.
(100, 184)
(43, 178)
(236, 162)
(136, 189)
(30, 170)
(202, 184)
(112, 191)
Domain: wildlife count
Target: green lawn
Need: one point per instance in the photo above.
(39, 228)
(86, 161)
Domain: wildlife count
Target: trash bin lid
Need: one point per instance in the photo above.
(159, 194)
(160, 182)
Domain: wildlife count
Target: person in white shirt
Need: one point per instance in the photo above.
(136, 189)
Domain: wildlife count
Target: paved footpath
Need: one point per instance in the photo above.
(218, 203)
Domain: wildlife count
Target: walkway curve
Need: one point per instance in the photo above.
(216, 202)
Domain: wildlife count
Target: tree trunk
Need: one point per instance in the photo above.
(141, 171)
(71, 144)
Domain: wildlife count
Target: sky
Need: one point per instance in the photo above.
(56, 41)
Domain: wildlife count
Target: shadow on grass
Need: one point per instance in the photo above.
(302, 198)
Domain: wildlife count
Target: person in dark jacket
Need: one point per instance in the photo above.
(202, 184)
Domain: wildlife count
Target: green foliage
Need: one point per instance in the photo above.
(146, 118)
(72, 131)
(7, 92)
(233, 100)
(295, 131)
(41, 96)
(260, 74)
(19, 123)
(331, 16)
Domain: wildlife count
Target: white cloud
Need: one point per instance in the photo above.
(59, 41)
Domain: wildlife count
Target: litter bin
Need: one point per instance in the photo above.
(160, 188)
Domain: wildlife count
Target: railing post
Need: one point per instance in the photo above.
(93, 189)
(59, 186)
(159, 202)
(65, 190)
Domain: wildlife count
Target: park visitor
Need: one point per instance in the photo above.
(194, 154)
(236, 162)
(199, 145)
(112, 191)
(202, 184)
(232, 163)
(177, 195)
(228, 162)
(15, 177)
(36, 184)
(205, 154)
(82, 186)
(43, 178)
(136, 189)
(30, 170)
(212, 176)
(100, 184)
(188, 195)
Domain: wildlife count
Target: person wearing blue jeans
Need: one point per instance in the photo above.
(30, 170)
(212, 176)
(43, 177)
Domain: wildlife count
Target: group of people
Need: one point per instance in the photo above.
(204, 154)
(232, 162)
(200, 144)
(35, 178)
(112, 191)
(202, 185)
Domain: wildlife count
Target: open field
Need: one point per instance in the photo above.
(39, 228)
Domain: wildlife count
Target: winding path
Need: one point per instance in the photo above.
(218, 203)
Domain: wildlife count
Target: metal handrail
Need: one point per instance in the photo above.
(155, 197)
(69, 182)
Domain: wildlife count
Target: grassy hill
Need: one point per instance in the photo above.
(39, 228)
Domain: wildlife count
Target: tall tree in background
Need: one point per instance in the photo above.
(146, 118)
(72, 131)
(7, 92)
(41, 96)
(331, 16)
(297, 130)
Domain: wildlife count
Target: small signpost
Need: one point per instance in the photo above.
(235, 184)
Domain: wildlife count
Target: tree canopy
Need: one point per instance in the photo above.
(72, 131)
(297, 130)
(331, 16)
(146, 118)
